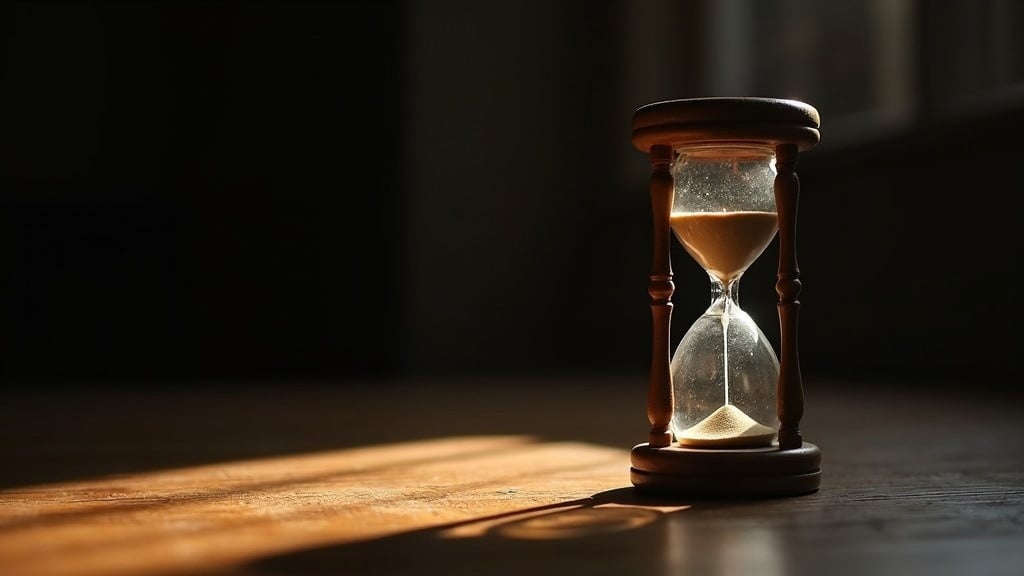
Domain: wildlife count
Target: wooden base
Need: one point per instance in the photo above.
(738, 473)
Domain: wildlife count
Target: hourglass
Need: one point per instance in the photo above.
(724, 408)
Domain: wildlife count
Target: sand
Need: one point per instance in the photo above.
(725, 243)
(727, 427)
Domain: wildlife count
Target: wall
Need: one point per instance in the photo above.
(351, 190)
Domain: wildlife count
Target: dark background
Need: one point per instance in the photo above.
(362, 190)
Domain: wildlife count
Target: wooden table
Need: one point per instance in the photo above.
(487, 476)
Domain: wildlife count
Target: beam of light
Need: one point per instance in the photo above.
(228, 514)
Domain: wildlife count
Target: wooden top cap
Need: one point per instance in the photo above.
(712, 120)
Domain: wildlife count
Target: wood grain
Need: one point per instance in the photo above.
(224, 513)
(293, 478)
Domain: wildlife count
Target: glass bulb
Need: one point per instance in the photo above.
(724, 371)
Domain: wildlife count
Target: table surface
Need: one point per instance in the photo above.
(488, 476)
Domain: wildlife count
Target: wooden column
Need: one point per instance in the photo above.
(659, 391)
(790, 394)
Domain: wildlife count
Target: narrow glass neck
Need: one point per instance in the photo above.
(724, 297)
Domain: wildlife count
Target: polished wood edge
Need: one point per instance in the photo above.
(725, 486)
(747, 462)
(678, 134)
(726, 108)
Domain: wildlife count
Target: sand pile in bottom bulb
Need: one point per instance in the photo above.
(727, 427)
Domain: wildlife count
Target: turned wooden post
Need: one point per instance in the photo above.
(790, 394)
(659, 390)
